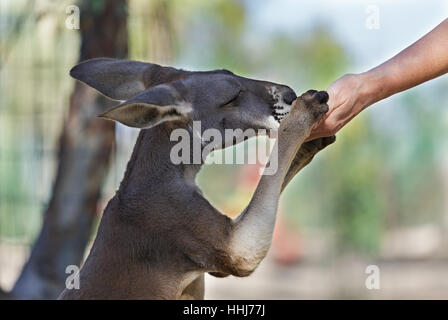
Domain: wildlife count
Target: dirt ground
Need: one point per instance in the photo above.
(345, 280)
(342, 279)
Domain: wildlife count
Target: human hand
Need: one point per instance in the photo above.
(348, 97)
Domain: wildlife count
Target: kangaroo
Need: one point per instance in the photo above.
(158, 235)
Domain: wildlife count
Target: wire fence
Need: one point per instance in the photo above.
(34, 98)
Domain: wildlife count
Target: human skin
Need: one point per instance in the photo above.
(424, 60)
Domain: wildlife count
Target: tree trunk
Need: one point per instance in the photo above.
(84, 153)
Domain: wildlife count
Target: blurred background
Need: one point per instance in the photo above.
(378, 196)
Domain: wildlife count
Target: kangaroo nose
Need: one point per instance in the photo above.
(289, 96)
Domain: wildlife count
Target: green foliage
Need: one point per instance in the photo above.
(311, 60)
(380, 174)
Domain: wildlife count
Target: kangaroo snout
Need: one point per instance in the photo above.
(283, 98)
(289, 96)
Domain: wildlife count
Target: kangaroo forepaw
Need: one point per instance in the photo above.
(306, 110)
(315, 102)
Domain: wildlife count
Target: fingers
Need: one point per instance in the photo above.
(332, 121)
(316, 135)
(344, 104)
(325, 128)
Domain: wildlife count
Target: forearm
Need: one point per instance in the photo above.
(252, 231)
(422, 61)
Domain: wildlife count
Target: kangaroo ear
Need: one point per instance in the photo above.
(151, 107)
(122, 79)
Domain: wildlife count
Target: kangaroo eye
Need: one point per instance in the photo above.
(233, 99)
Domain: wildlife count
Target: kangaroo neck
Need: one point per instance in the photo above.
(153, 163)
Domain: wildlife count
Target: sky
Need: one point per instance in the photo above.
(400, 22)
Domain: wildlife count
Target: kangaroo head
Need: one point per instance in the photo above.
(152, 94)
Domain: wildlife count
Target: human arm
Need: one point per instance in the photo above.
(349, 95)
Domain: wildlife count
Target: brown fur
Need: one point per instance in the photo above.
(159, 235)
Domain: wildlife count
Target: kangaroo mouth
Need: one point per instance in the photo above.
(280, 107)
(280, 112)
